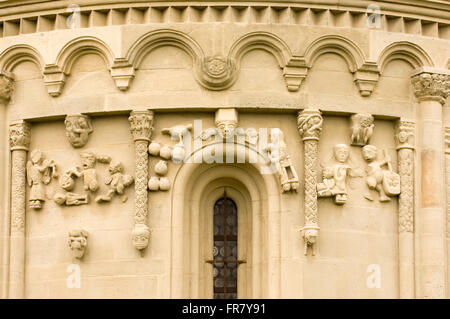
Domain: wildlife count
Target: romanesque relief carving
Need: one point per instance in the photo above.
(216, 72)
(178, 133)
(78, 242)
(279, 156)
(117, 182)
(39, 173)
(78, 128)
(140, 236)
(384, 181)
(19, 136)
(67, 183)
(141, 130)
(334, 176)
(405, 133)
(309, 123)
(6, 87)
(428, 85)
(87, 171)
(362, 128)
(19, 142)
(226, 121)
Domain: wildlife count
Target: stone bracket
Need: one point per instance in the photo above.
(122, 73)
(294, 73)
(366, 78)
(54, 79)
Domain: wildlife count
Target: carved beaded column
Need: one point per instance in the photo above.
(309, 124)
(431, 88)
(6, 88)
(141, 129)
(19, 138)
(405, 133)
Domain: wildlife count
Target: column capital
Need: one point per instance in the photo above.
(19, 136)
(141, 125)
(309, 124)
(405, 134)
(431, 84)
(6, 86)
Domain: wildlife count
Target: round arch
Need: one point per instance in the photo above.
(19, 53)
(406, 51)
(196, 187)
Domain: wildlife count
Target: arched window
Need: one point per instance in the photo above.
(225, 249)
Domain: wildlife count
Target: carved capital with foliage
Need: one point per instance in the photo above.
(430, 85)
(19, 136)
(141, 125)
(309, 123)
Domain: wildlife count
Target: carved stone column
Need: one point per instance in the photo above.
(141, 129)
(405, 134)
(309, 124)
(431, 88)
(19, 139)
(6, 88)
(447, 189)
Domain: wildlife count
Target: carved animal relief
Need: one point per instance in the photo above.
(362, 128)
(117, 182)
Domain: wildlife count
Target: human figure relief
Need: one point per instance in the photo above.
(78, 128)
(310, 235)
(67, 182)
(117, 183)
(385, 182)
(335, 176)
(279, 156)
(88, 160)
(39, 173)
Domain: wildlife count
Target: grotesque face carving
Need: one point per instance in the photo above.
(141, 236)
(311, 236)
(227, 128)
(369, 153)
(88, 159)
(78, 128)
(78, 242)
(341, 153)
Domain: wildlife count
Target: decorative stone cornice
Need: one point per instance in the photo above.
(19, 136)
(6, 86)
(141, 125)
(405, 134)
(431, 84)
(309, 123)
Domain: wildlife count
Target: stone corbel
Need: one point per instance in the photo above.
(294, 73)
(54, 79)
(122, 73)
(366, 78)
(6, 86)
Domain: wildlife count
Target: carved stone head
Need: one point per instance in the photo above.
(141, 236)
(115, 167)
(66, 181)
(6, 87)
(78, 242)
(369, 153)
(78, 128)
(88, 159)
(341, 152)
(226, 122)
(36, 156)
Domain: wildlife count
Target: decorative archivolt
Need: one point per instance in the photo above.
(406, 51)
(164, 37)
(217, 72)
(338, 45)
(19, 53)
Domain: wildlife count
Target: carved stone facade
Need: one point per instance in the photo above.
(127, 128)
